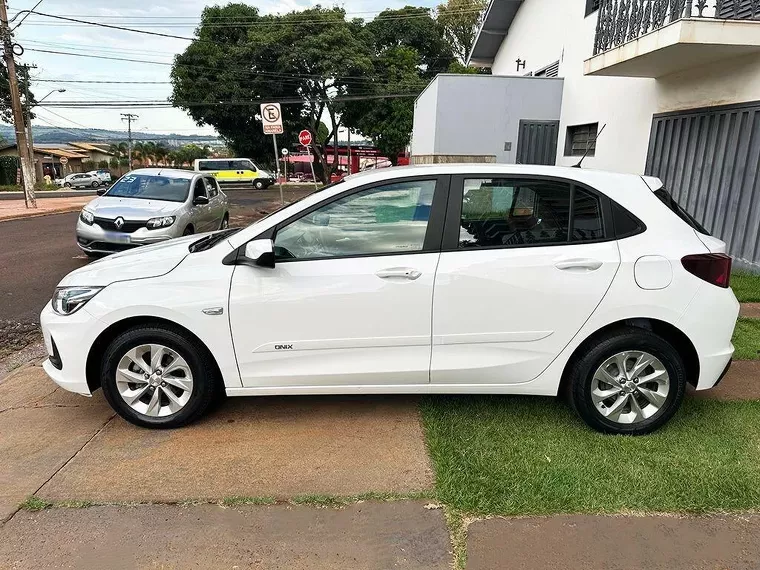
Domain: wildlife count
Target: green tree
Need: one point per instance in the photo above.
(409, 52)
(6, 110)
(313, 56)
(460, 20)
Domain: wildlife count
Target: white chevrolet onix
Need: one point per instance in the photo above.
(483, 279)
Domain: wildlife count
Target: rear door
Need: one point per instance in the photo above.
(517, 278)
(215, 202)
(202, 213)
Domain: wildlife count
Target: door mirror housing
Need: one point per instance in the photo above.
(260, 252)
(101, 191)
(200, 200)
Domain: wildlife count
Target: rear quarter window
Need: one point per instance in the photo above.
(666, 198)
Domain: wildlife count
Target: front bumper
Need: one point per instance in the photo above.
(68, 340)
(95, 239)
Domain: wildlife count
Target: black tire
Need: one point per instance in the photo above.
(206, 385)
(583, 368)
(225, 222)
(67, 184)
(259, 185)
(95, 184)
(92, 254)
(188, 231)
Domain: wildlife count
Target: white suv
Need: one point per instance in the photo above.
(481, 279)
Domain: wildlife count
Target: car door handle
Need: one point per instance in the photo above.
(399, 273)
(581, 264)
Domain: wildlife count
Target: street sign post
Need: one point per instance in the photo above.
(305, 138)
(285, 153)
(64, 161)
(271, 119)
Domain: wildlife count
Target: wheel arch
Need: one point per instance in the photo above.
(105, 338)
(666, 330)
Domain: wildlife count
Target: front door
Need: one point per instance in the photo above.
(349, 301)
(524, 266)
(202, 214)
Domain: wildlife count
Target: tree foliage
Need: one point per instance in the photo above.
(460, 20)
(6, 110)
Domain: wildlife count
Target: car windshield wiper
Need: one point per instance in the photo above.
(210, 241)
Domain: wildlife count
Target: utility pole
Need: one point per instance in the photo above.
(29, 136)
(18, 111)
(129, 117)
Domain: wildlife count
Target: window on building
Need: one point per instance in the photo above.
(581, 138)
(548, 71)
(592, 6)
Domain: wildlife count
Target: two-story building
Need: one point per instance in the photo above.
(674, 84)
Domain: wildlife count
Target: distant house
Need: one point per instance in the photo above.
(47, 157)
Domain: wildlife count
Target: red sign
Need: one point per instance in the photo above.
(304, 137)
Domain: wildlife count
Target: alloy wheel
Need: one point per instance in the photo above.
(154, 380)
(630, 387)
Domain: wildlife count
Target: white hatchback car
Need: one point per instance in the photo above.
(484, 279)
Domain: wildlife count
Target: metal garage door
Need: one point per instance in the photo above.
(710, 161)
(537, 142)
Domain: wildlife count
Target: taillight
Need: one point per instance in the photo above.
(714, 268)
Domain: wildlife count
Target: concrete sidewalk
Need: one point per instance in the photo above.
(750, 310)
(362, 536)
(16, 209)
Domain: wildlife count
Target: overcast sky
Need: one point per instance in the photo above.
(178, 17)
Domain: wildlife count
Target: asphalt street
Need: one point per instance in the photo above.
(36, 253)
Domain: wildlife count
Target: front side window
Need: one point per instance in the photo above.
(512, 213)
(199, 189)
(384, 220)
(211, 187)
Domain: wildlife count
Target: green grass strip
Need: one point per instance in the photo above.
(747, 339)
(746, 287)
(532, 456)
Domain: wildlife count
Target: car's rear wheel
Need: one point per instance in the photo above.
(631, 381)
(156, 377)
(259, 185)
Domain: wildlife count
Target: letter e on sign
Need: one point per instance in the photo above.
(271, 118)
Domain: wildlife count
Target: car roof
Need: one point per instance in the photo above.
(168, 172)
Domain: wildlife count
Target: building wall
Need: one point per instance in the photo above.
(477, 115)
(423, 133)
(480, 114)
(545, 31)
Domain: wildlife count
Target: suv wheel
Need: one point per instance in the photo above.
(259, 185)
(631, 381)
(155, 377)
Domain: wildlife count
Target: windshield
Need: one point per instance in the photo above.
(670, 202)
(151, 187)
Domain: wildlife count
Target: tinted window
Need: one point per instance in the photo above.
(625, 224)
(497, 212)
(387, 219)
(668, 200)
(200, 188)
(587, 216)
(205, 165)
(211, 187)
(243, 165)
(147, 187)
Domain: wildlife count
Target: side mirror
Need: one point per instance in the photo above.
(101, 191)
(200, 200)
(260, 252)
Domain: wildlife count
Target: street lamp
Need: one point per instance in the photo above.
(30, 139)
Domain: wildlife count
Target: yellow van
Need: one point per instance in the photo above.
(235, 170)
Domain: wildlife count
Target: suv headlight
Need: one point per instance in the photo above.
(87, 217)
(68, 300)
(164, 222)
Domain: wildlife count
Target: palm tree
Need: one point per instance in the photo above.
(138, 153)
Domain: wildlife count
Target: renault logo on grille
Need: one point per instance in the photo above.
(119, 222)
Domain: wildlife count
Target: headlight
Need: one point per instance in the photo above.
(87, 217)
(165, 222)
(68, 300)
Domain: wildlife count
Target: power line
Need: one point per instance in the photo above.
(253, 102)
(103, 82)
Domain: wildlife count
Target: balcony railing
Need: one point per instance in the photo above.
(622, 21)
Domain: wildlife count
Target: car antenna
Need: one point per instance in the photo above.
(588, 147)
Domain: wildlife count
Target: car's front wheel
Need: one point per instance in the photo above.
(67, 184)
(631, 381)
(157, 377)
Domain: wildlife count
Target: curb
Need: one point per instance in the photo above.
(24, 216)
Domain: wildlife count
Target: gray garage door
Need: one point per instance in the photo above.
(710, 161)
(537, 142)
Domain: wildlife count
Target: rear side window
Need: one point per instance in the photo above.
(513, 213)
(670, 202)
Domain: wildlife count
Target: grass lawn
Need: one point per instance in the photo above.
(747, 339)
(746, 287)
(519, 456)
